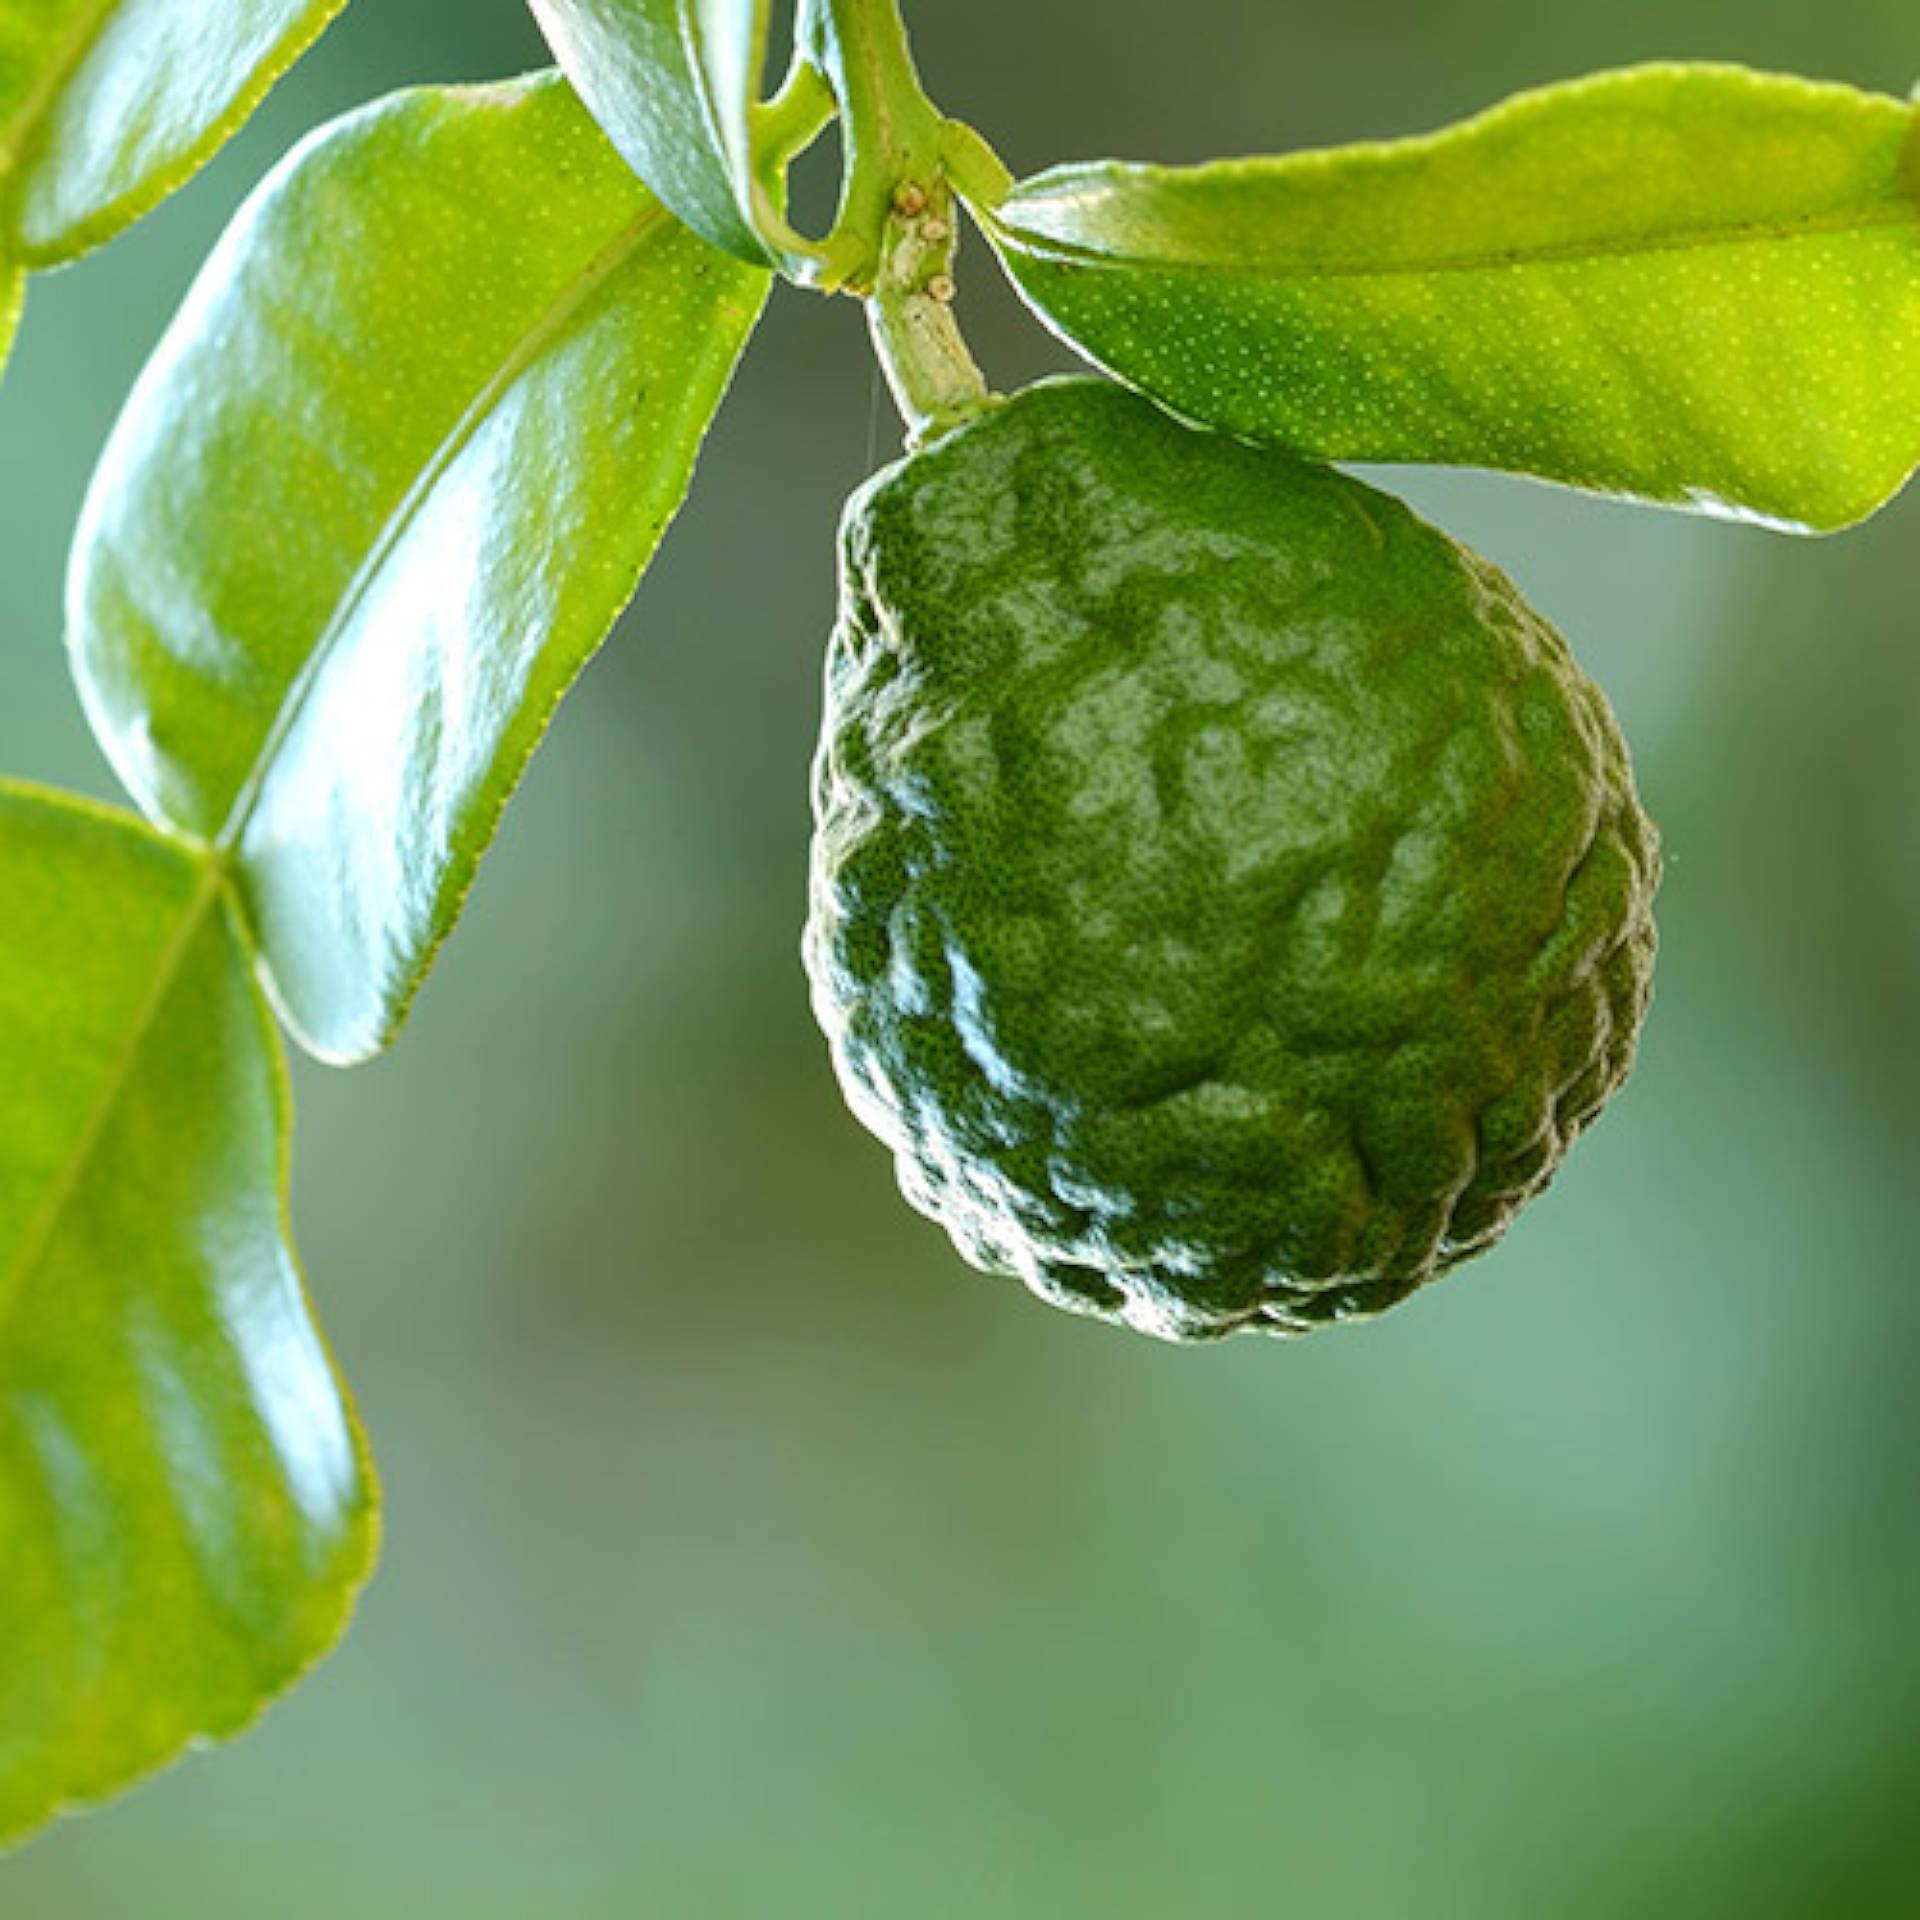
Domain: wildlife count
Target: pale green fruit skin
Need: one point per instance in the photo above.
(1229, 899)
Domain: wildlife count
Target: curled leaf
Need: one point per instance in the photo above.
(673, 83)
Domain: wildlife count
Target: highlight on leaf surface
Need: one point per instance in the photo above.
(106, 106)
(186, 1505)
(382, 490)
(1698, 286)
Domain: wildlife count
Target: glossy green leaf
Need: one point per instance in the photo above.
(1694, 285)
(387, 482)
(106, 106)
(13, 284)
(186, 1507)
(673, 82)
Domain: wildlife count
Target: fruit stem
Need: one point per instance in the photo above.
(894, 241)
(891, 130)
(933, 378)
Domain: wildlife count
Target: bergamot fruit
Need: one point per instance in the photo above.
(1229, 898)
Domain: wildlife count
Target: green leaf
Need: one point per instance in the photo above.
(106, 106)
(673, 82)
(13, 284)
(385, 485)
(186, 1506)
(1693, 285)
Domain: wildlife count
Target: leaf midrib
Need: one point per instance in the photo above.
(546, 327)
(17, 136)
(1704, 239)
(207, 890)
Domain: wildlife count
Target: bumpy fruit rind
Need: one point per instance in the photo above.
(1229, 898)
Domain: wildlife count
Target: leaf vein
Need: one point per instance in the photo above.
(545, 329)
(1068, 254)
(126, 1059)
(18, 134)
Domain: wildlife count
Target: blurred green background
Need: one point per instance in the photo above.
(747, 1556)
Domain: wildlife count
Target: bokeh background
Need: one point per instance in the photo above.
(747, 1556)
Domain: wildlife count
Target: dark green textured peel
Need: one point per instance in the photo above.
(1229, 899)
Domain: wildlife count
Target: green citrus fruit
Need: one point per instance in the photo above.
(1229, 898)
